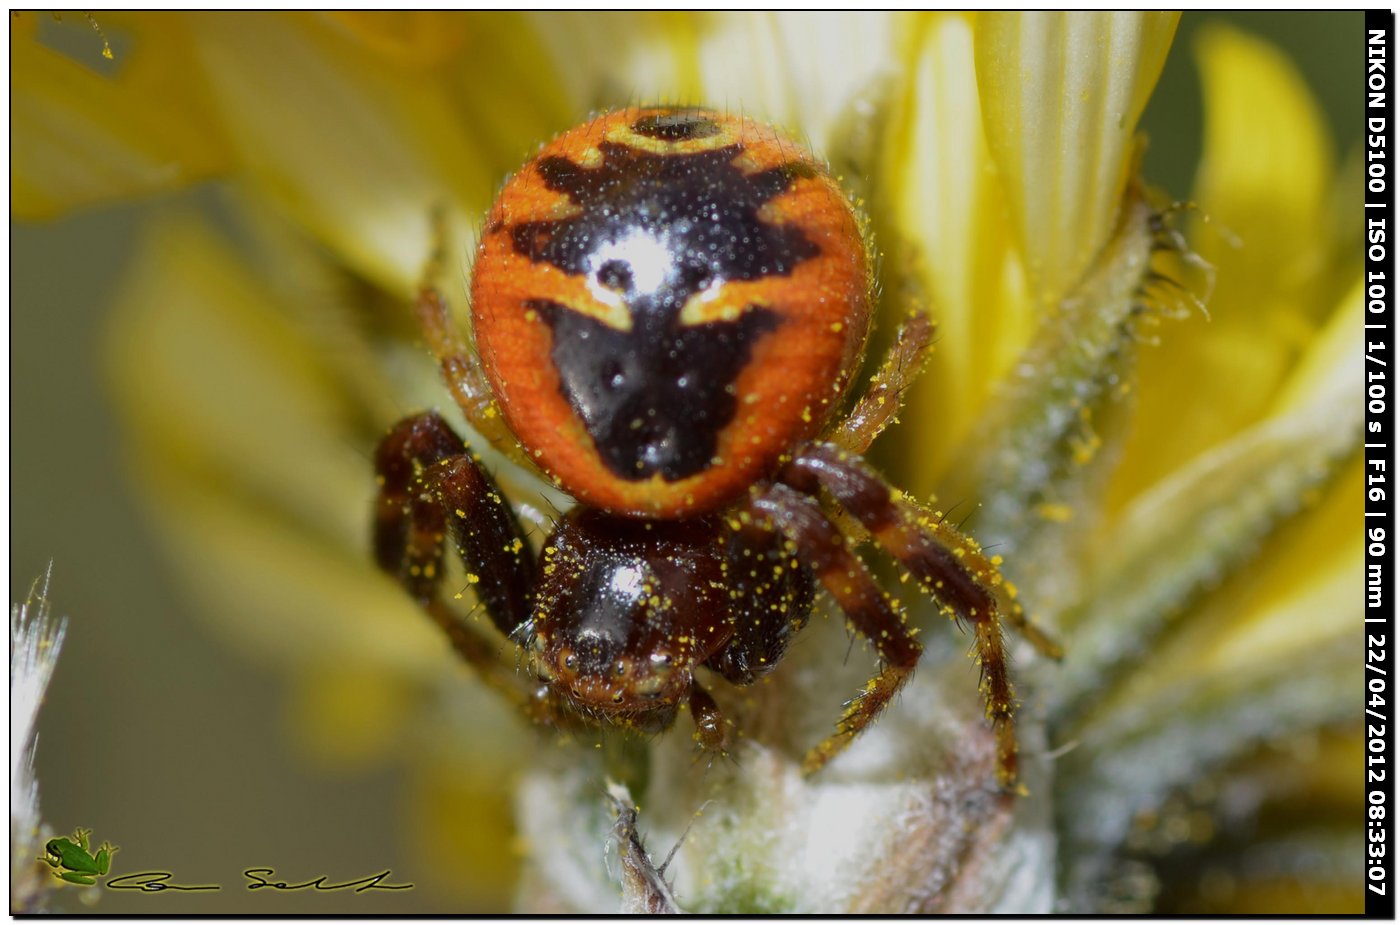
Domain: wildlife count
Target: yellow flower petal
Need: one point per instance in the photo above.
(1264, 185)
(208, 363)
(1036, 459)
(772, 66)
(1061, 96)
(254, 462)
(1266, 170)
(1329, 373)
(506, 88)
(273, 593)
(941, 196)
(360, 150)
(609, 59)
(1301, 595)
(411, 38)
(1297, 600)
(778, 66)
(83, 137)
(348, 715)
(1195, 528)
(1303, 588)
(460, 822)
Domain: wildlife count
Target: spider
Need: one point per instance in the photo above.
(668, 305)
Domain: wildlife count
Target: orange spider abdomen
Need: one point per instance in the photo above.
(667, 301)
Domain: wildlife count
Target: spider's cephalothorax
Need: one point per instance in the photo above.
(668, 305)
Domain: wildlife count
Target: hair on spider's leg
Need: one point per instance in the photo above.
(942, 516)
(873, 613)
(537, 521)
(961, 525)
(949, 567)
(709, 758)
(554, 508)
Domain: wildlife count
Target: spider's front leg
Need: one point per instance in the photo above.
(873, 613)
(949, 567)
(430, 487)
(878, 405)
(456, 358)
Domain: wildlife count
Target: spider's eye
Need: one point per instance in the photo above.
(615, 275)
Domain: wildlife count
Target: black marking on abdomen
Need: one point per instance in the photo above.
(698, 210)
(653, 231)
(656, 398)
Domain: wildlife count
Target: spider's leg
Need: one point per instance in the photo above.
(923, 541)
(949, 567)
(461, 370)
(875, 616)
(713, 733)
(875, 409)
(430, 487)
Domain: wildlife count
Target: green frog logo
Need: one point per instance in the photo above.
(72, 860)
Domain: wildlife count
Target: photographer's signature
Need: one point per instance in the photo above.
(73, 861)
(259, 878)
